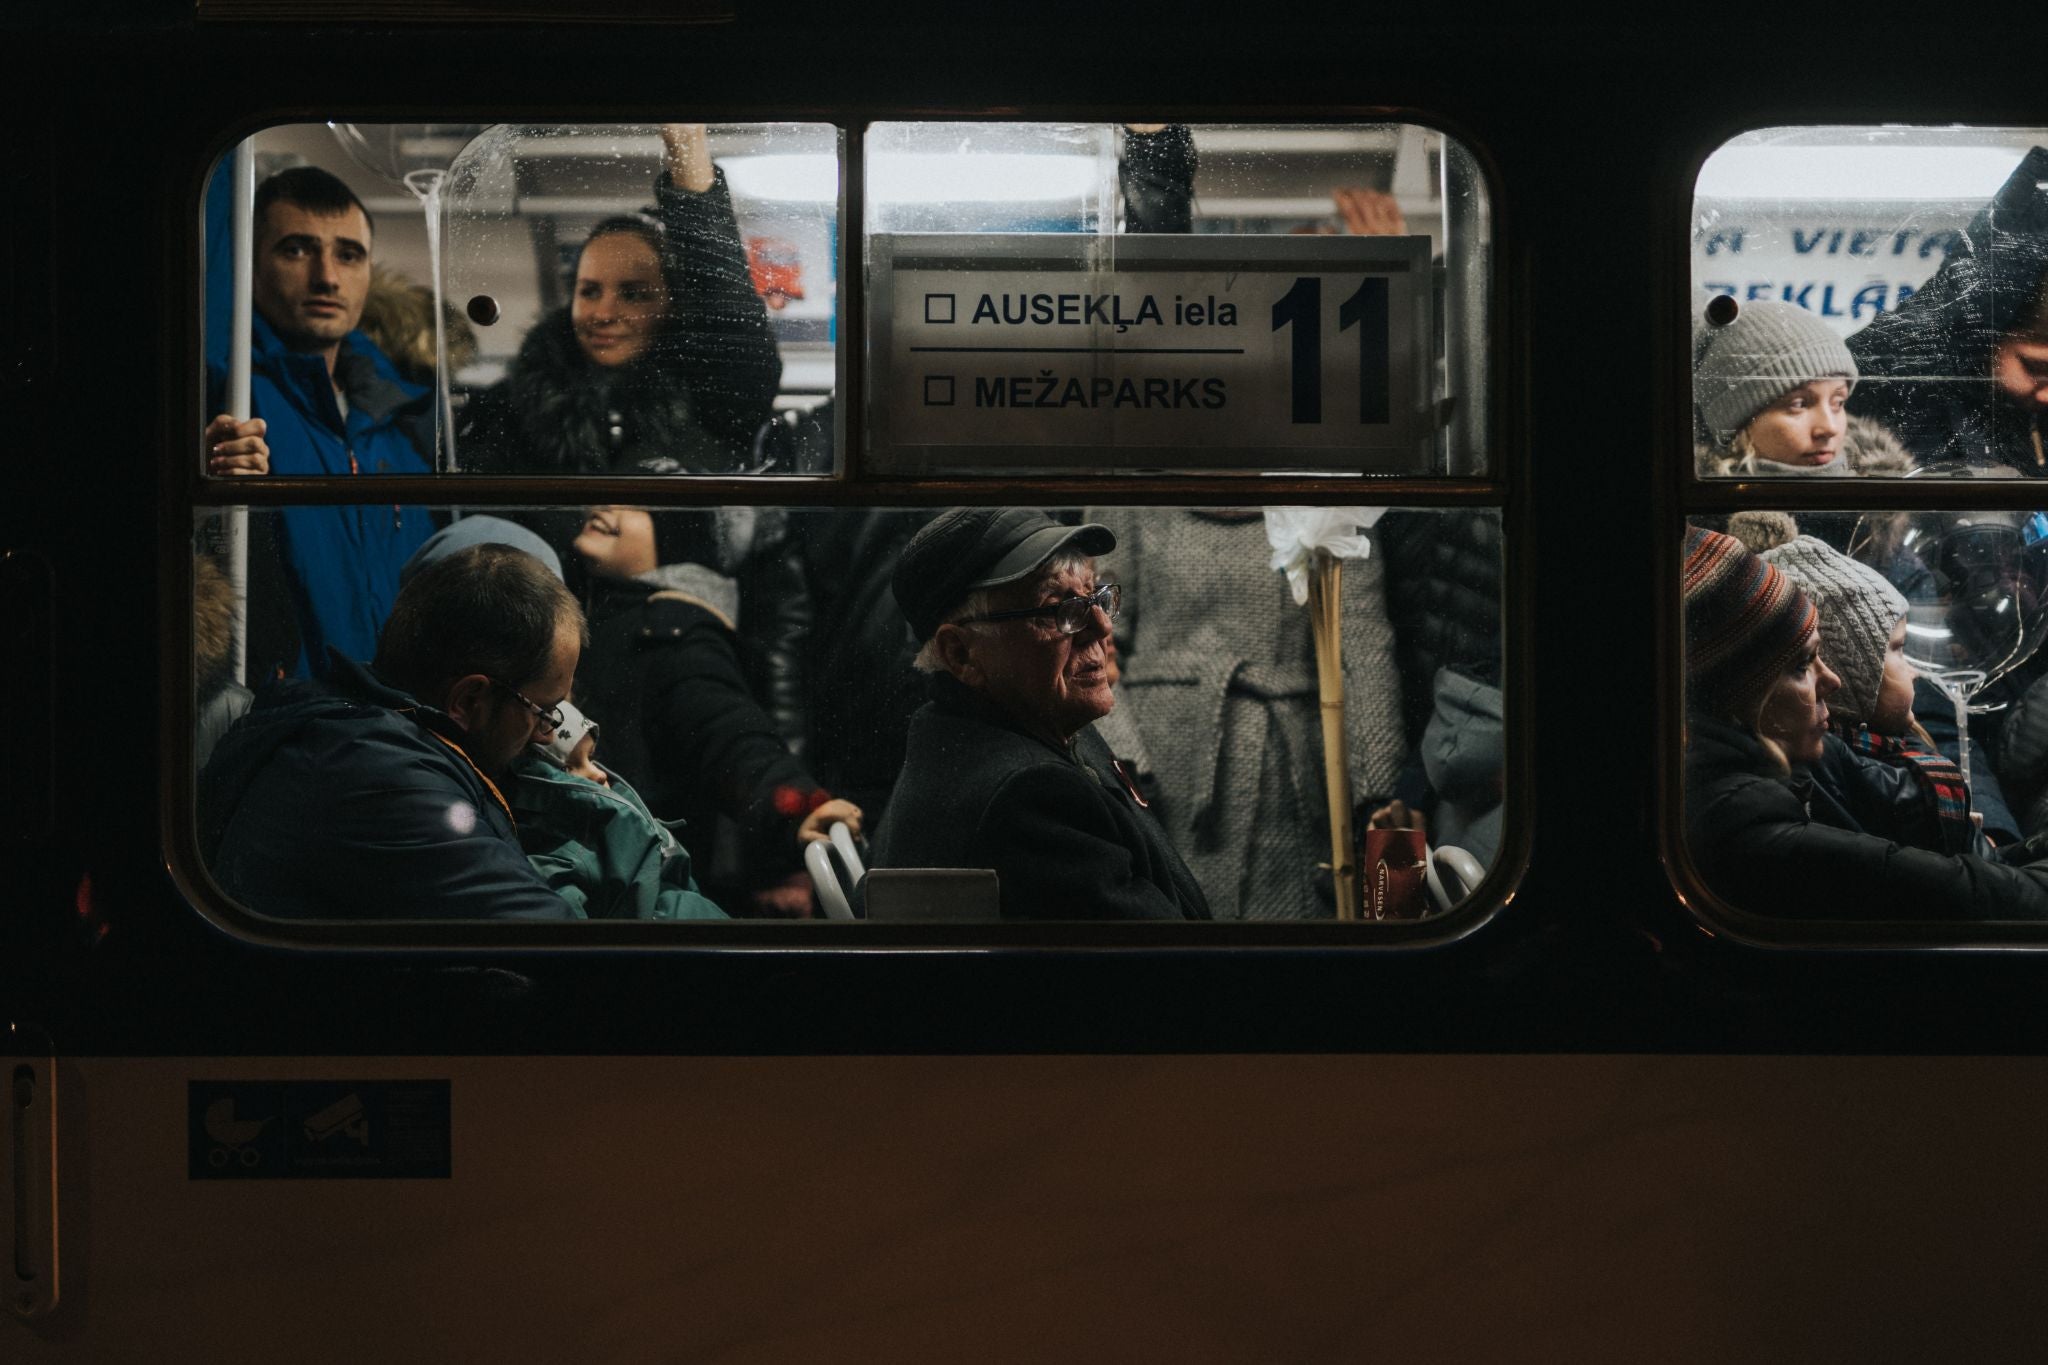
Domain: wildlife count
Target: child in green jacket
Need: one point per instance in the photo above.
(592, 838)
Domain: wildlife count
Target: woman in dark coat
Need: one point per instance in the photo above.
(1760, 831)
(662, 675)
(662, 363)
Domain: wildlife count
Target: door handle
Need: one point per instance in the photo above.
(32, 1148)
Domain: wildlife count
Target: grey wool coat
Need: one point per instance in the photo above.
(1218, 706)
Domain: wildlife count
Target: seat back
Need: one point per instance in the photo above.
(908, 895)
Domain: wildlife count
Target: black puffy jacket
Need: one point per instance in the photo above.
(1443, 596)
(1763, 842)
(863, 690)
(662, 678)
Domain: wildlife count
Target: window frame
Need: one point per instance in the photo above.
(188, 492)
(1680, 493)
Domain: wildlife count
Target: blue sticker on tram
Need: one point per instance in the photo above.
(318, 1130)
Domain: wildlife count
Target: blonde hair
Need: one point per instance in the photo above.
(1739, 459)
(213, 616)
(398, 316)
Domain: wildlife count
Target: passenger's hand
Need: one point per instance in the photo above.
(818, 824)
(236, 447)
(1142, 129)
(1398, 815)
(689, 156)
(1370, 213)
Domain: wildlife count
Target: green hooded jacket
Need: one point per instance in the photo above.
(600, 849)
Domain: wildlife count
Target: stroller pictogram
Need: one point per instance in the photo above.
(232, 1136)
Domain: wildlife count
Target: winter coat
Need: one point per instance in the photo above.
(1219, 681)
(2023, 756)
(662, 677)
(600, 849)
(345, 798)
(1065, 837)
(863, 689)
(336, 567)
(1885, 799)
(1443, 575)
(691, 403)
(1784, 847)
(339, 564)
(1926, 365)
(1464, 754)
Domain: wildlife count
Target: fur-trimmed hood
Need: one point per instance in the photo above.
(574, 417)
(1868, 449)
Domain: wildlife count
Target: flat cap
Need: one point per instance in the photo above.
(965, 549)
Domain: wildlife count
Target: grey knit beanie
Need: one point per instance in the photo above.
(1769, 348)
(1858, 610)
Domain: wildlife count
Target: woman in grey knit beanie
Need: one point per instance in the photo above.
(1862, 629)
(1771, 381)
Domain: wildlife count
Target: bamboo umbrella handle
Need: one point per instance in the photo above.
(1325, 579)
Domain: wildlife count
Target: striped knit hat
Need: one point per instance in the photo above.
(1745, 623)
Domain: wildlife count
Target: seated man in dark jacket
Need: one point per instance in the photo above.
(378, 793)
(998, 774)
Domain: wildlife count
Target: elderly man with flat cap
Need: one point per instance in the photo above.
(1001, 771)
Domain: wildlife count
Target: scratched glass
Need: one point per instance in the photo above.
(613, 299)
(1870, 301)
(1111, 298)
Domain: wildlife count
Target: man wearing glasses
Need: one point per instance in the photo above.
(379, 792)
(1001, 771)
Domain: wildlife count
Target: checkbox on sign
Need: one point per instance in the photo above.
(938, 390)
(938, 307)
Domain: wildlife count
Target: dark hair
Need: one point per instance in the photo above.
(640, 225)
(488, 609)
(312, 189)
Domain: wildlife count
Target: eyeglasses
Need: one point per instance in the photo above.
(1070, 615)
(550, 716)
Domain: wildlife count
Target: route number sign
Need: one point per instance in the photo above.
(1071, 353)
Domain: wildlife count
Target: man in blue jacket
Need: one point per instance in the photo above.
(380, 792)
(331, 404)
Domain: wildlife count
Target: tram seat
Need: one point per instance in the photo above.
(932, 895)
(900, 895)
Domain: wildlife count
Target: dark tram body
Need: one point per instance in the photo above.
(1592, 1111)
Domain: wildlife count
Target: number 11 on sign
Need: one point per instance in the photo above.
(1302, 309)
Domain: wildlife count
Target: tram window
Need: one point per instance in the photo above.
(1905, 268)
(1864, 684)
(612, 299)
(746, 666)
(1163, 298)
(1832, 659)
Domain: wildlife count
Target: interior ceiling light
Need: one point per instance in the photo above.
(1805, 173)
(918, 177)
